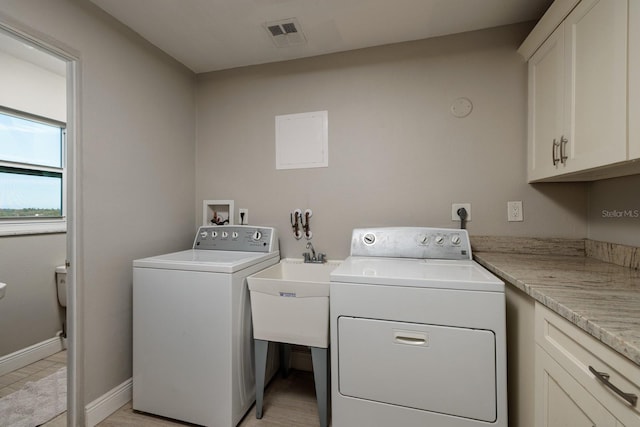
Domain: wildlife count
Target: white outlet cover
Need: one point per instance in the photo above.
(244, 221)
(514, 211)
(454, 211)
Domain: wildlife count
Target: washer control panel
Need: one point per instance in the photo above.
(245, 238)
(411, 242)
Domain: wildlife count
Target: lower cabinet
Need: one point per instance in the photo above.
(567, 390)
(562, 401)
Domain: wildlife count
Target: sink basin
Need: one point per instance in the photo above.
(290, 303)
(3, 289)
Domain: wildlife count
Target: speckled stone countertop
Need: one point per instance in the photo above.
(599, 297)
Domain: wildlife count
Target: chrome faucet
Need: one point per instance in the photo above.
(311, 257)
(313, 251)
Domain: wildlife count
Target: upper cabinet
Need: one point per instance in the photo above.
(580, 106)
(546, 130)
(634, 79)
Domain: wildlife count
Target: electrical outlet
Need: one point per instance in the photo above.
(454, 211)
(514, 211)
(243, 216)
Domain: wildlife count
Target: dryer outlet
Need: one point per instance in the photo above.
(454, 211)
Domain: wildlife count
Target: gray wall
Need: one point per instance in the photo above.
(614, 210)
(396, 154)
(29, 312)
(137, 161)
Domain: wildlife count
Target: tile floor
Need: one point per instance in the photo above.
(14, 381)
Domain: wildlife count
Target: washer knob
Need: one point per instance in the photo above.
(439, 239)
(203, 234)
(234, 235)
(455, 239)
(214, 234)
(225, 234)
(257, 235)
(424, 239)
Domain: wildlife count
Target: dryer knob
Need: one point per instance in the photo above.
(214, 234)
(203, 234)
(257, 235)
(234, 235)
(455, 239)
(439, 240)
(225, 234)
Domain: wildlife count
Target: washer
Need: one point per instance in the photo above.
(192, 337)
(417, 331)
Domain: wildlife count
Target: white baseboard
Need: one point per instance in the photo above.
(108, 403)
(21, 358)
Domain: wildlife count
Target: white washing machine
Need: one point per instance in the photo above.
(418, 333)
(192, 337)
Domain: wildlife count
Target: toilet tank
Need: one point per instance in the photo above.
(61, 284)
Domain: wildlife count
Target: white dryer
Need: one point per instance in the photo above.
(192, 337)
(417, 333)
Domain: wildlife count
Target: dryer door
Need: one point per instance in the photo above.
(440, 369)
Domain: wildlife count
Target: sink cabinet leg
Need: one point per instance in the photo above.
(285, 357)
(261, 348)
(319, 357)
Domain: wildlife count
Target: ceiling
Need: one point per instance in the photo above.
(209, 35)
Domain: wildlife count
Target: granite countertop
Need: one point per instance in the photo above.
(599, 297)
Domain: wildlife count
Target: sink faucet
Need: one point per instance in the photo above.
(313, 251)
(311, 257)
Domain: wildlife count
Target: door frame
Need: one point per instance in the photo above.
(75, 353)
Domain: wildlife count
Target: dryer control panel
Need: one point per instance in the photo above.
(245, 238)
(411, 242)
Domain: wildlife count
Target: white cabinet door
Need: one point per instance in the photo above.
(634, 80)
(546, 106)
(561, 401)
(578, 92)
(596, 93)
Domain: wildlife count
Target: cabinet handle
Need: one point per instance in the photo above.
(553, 152)
(603, 377)
(563, 154)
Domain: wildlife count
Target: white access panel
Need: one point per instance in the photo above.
(441, 369)
(302, 140)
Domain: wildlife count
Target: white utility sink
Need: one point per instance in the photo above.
(290, 302)
(3, 289)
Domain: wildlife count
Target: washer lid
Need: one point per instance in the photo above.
(205, 260)
(421, 273)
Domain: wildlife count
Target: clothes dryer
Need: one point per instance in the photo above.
(417, 333)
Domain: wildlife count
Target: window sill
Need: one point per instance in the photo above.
(18, 228)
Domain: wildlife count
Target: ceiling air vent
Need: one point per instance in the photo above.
(285, 33)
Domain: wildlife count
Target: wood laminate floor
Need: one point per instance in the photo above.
(288, 402)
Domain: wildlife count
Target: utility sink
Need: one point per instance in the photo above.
(290, 302)
(3, 289)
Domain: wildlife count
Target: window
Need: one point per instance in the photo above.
(32, 174)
